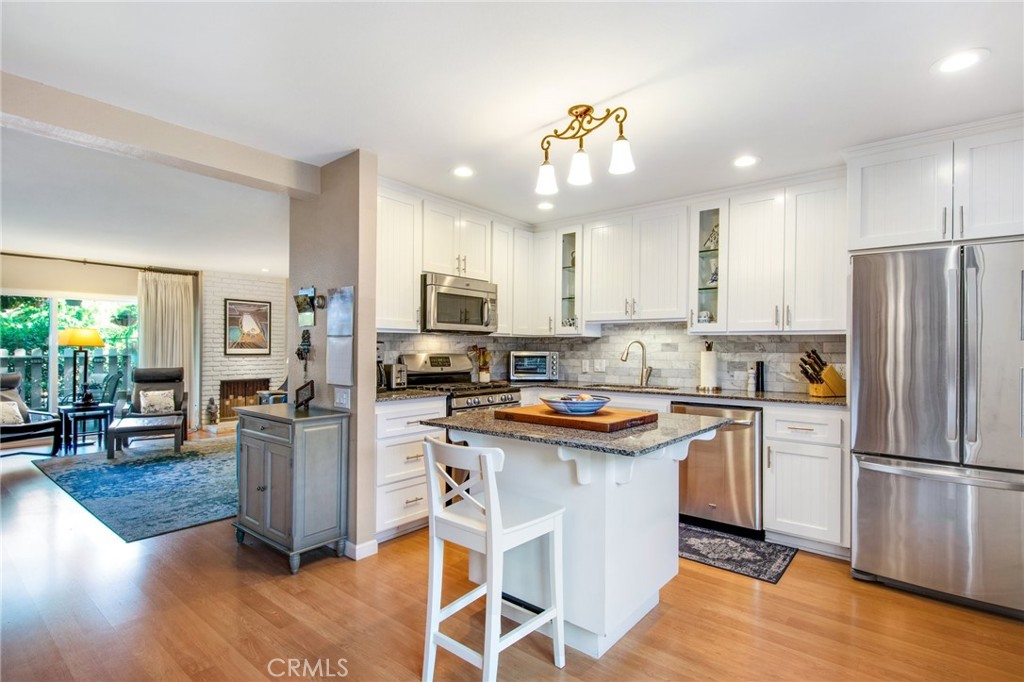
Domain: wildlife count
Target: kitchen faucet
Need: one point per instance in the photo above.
(645, 371)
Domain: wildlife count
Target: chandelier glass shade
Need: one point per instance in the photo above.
(583, 122)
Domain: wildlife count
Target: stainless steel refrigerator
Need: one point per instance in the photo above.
(937, 396)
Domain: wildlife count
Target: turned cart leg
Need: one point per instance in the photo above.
(239, 535)
(339, 548)
(293, 563)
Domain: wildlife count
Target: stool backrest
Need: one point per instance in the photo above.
(480, 488)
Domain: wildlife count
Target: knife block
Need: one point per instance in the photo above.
(834, 386)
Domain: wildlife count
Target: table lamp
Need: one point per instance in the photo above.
(83, 338)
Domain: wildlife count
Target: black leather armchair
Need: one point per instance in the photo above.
(38, 424)
(160, 379)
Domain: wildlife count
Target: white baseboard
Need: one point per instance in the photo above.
(814, 546)
(361, 551)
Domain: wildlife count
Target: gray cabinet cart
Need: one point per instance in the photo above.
(292, 478)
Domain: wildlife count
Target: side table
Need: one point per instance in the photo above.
(72, 416)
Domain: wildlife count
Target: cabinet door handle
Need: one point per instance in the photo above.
(768, 450)
(413, 458)
(943, 222)
(464, 268)
(626, 311)
(961, 220)
(691, 317)
(789, 317)
(413, 501)
(633, 312)
(776, 316)
(551, 324)
(458, 268)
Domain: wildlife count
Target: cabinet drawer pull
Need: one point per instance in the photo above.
(413, 458)
(412, 421)
(263, 427)
(801, 428)
(413, 501)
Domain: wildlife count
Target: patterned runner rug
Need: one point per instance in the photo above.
(754, 558)
(151, 490)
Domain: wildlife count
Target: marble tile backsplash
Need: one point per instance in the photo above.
(673, 354)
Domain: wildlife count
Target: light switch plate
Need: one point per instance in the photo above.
(600, 365)
(343, 397)
(586, 367)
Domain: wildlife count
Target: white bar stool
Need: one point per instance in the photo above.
(482, 523)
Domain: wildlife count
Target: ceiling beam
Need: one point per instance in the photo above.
(42, 110)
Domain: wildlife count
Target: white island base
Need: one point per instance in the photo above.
(620, 540)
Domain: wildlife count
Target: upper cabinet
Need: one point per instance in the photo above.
(570, 277)
(709, 243)
(966, 187)
(455, 241)
(634, 267)
(787, 260)
(503, 273)
(399, 252)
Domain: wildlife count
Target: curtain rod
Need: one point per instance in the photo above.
(82, 261)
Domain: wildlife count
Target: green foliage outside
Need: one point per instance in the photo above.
(25, 321)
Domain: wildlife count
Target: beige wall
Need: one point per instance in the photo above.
(48, 277)
(333, 244)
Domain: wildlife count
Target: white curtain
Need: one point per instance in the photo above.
(166, 318)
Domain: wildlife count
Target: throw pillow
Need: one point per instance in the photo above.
(155, 402)
(10, 414)
(11, 395)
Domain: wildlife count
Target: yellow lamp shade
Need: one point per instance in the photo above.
(79, 336)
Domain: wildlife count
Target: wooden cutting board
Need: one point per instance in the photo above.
(606, 419)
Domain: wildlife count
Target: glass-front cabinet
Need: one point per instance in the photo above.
(708, 248)
(569, 282)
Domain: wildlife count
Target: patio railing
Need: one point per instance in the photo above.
(34, 369)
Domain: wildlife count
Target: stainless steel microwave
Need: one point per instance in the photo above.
(458, 304)
(525, 365)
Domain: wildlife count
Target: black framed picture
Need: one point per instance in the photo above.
(246, 327)
(304, 395)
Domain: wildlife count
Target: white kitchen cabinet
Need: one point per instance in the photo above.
(756, 261)
(399, 254)
(805, 492)
(569, 280)
(709, 266)
(503, 273)
(522, 296)
(634, 267)
(965, 187)
(401, 478)
(545, 283)
(787, 260)
(456, 241)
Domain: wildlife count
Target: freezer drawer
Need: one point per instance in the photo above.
(948, 529)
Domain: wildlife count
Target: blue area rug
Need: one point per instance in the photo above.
(753, 558)
(152, 490)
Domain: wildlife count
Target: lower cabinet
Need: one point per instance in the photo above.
(401, 478)
(292, 478)
(806, 482)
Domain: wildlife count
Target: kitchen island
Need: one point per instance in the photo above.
(620, 491)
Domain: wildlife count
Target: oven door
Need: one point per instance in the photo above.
(448, 309)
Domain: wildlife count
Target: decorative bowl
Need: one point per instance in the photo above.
(570, 403)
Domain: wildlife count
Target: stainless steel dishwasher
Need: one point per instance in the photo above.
(720, 480)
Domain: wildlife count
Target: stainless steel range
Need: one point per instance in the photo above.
(452, 373)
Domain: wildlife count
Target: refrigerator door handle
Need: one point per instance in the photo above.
(972, 347)
(987, 479)
(952, 295)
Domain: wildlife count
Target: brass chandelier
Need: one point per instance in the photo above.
(582, 123)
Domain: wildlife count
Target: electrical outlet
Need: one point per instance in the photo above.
(600, 366)
(343, 398)
(586, 367)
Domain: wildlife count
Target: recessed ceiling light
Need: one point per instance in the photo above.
(264, 269)
(462, 172)
(545, 206)
(960, 60)
(745, 161)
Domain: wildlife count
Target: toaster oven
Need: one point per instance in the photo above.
(528, 365)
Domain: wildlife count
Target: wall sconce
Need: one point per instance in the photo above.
(582, 124)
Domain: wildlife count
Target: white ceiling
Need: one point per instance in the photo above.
(428, 86)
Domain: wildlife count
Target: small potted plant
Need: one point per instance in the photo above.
(483, 361)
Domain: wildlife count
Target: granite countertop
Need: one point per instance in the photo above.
(286, 412)
(672, 391)
(632, 442)
(407, 394)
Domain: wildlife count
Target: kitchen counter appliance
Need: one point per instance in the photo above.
(720, 480)
(532, 365)
(458, 304)
(452, 373)
(937, 429)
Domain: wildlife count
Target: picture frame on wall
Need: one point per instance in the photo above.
(246, 327)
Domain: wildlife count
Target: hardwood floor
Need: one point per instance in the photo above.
(80, 604)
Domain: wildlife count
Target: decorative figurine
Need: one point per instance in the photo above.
(212, 412)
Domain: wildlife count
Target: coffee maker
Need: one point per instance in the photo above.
(382, 379)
